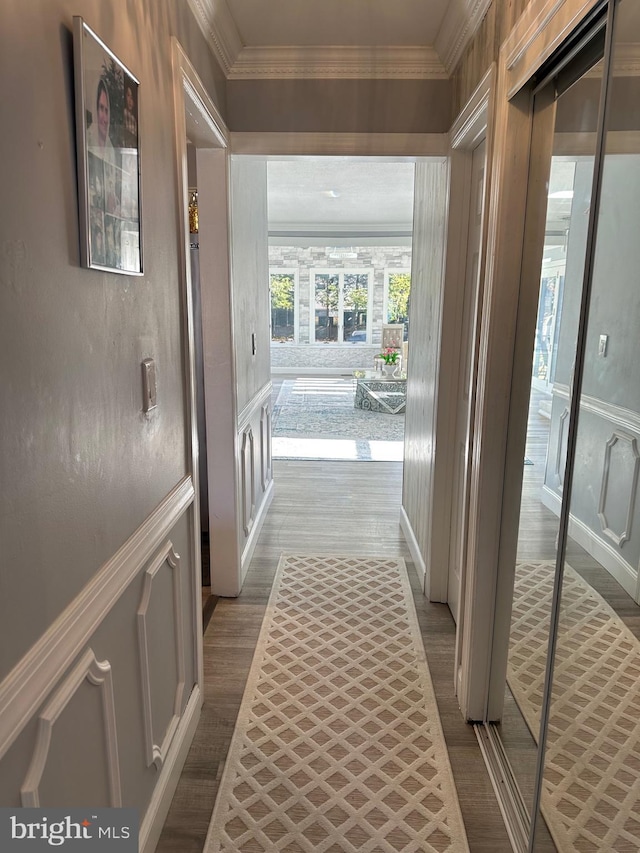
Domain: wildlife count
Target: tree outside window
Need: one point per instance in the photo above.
(355, 305)
(283, 300)
(327, 295)
(398, 297)
(341, 300)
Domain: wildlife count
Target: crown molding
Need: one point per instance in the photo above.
(300, 62)
(217, 24)
(296, 62)
(461, 20)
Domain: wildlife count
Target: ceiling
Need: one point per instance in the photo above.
(414, 39)
(337, 22)
(320, 194)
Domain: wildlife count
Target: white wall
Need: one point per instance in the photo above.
(251, 339)
(421, 462)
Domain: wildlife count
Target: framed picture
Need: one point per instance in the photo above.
(108, 144)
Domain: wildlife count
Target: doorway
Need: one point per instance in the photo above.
(340, 233)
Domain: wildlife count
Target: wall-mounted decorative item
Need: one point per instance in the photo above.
(193, 211)
(108, 145)
(392, 335)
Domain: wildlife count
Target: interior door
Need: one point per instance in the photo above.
(464, 416)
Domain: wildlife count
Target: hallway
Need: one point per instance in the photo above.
(339, 508)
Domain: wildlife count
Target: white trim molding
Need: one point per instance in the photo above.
(332, 62)
(414, 548)
(219, 29)
(256, 526)
(618, 415)
(156, 754)
(156, 813)
(253, 405)
(624, 535)
(97, 673)
(27, 685)
(248, 480)
(265, 446)
(470, 126)
(602, 551)
(188, 84)
(461, 20)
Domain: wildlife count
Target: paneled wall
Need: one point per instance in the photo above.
(251, 337)
(421, 424)
(98, 614)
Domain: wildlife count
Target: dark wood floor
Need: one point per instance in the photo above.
(321, 507)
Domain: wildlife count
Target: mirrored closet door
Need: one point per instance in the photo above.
(570, 730)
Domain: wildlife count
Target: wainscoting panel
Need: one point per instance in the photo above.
(561, 449)
(255, 478)
(604, 505)
(248, 480)
(161, 644)
(103, 725)
(619, 486)
(265, 445)
(77, 707)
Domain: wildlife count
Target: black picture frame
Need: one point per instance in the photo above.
(107, 100)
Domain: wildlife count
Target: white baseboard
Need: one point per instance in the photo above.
(414, 549)
(600, 550)
(250, 547)
(156, 814)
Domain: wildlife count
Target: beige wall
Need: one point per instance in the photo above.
(340, 106)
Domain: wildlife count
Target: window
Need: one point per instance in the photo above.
(397, 292)
(284, 320)
(341, 306)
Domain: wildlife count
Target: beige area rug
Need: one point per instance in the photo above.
(591, 788)
(338, 745)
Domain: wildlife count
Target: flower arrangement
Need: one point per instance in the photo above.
(389, 356)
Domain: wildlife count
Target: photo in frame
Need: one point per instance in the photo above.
(108, 145)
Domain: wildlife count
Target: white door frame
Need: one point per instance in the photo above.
(469, 129)
(430, 566)
(541, 28)
(197, 118)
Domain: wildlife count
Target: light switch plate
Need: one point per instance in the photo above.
(602, 345)
(148, 385)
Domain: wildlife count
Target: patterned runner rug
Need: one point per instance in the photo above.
(338, 745)
(591, 788)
